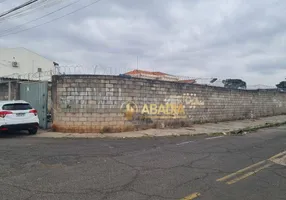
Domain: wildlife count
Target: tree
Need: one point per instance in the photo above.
(234, 84)
(282, 85)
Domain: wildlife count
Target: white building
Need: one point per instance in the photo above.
(22, 63)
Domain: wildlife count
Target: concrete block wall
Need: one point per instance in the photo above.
(49, 98)
(83, 103)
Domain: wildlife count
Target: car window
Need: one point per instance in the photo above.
(17, 106)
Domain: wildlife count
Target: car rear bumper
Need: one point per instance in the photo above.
(19, 126)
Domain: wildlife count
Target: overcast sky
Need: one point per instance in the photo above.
(197, 38)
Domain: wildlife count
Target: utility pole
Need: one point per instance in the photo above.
(137, 62)
(9, 90)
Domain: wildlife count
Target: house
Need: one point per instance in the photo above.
(190, 81)
(152, 75)
(157, 76)
(21, 63)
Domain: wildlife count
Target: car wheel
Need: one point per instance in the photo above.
(33, 131)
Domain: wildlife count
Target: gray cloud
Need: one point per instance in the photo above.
(198, 38)
(268, 66)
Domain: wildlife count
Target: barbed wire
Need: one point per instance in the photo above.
(92, 70)
(37, 76)
(121, 71)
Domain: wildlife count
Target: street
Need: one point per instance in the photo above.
(250, 167)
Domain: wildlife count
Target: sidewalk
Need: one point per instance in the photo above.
(211, 129)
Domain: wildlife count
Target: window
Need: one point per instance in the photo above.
(17, 106)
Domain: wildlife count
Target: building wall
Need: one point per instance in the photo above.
(28, 63)
(109, 103)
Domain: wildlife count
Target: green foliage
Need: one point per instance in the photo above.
(234, 84)
(281, 85)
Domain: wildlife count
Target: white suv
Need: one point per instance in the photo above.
(18, 115)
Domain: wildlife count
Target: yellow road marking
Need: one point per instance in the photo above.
(249, 168)
(192, 196)
(248, 174)
(240, 171)
(277, 155)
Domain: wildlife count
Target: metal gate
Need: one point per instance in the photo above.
(36, 93)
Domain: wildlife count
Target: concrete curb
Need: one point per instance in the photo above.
(248, 129)
(239, 131)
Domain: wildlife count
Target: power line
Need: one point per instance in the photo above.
(28, 9)
(52, 19)
(21, 25)
(18, 7)
(32, 8)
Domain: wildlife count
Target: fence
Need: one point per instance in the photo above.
(116, 71)
(84, 103)
(93, 70)
(38, 76)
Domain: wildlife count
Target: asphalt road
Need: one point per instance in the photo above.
(222, 168)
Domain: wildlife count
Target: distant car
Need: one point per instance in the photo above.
(18, 115)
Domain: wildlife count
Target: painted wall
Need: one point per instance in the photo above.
(28, 62)
(109, 103)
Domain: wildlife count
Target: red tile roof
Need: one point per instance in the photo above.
(137, 72)
(188, 81)
(159, 75)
